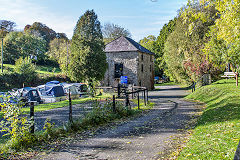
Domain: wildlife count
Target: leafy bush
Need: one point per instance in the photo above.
(26, 68)
(16, 127)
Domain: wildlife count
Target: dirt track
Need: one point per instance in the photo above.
(145, 137)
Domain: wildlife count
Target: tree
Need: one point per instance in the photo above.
(183, 54)
(224, 45)
(25, 67)
(87, 60)
(148, 42)
(160, 42)
(6, 27)
(18, 44)
(112, 31)
(41, 30)
(59, 51)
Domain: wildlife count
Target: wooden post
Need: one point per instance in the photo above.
(147, 95)
(138, 100)
(144, 92)
(127, 100)
(118, 88)
(70, 106)
(32, 117)
(114, 104)
(132, 93)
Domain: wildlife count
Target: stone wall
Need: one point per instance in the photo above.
(132, 63)
(146, 76)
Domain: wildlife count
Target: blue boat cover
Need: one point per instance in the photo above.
(56, 91)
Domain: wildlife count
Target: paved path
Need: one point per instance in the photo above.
(141, 138)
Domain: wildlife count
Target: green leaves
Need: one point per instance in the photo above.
(26, 68)
(224, 46)
(87, 60)
(18, 44)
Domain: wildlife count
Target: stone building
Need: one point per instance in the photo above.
(126, 57)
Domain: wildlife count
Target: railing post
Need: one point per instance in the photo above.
(32, 117)
(114, 104)
(138, 100)
(70, 106)
(147, 95)
(127, 100)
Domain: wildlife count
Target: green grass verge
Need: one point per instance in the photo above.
(39, 69)
(48, 106)
(142, 105)
(217, 133)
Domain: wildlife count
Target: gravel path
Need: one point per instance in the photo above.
(143, 138)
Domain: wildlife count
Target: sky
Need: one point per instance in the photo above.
(141, 17)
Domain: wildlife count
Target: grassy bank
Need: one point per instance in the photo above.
(39, 69)
(217, 133)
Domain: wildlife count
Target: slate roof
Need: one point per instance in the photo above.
(125, 44)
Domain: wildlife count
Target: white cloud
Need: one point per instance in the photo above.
(24, 12)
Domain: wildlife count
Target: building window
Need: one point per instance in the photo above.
(142, 57)
(118, 72)
(142, 67)
(150, 68)
(140, 83)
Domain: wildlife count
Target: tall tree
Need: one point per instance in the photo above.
(18, 44)
(88, 60)
(59, 51)
(224, 45)
(41, 30)
(112, 31)
(160, 42)
(149, 42)
(183, 54)
(6, 27)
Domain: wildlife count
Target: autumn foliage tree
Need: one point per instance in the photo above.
(224, 45)
(87, 60)
(184, 56)
(59, 51)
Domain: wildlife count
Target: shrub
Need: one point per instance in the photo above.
(16, 127)
(26, 68)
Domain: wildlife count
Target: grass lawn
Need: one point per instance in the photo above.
(142, 105)
(217, 133)
(39, 69)
(48, 106)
